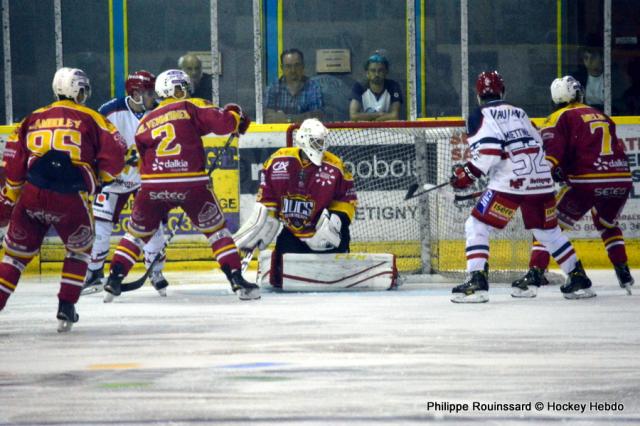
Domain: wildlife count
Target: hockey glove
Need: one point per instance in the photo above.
(6, 208)
(557, 174)
(132, 158)
(245, 121)
(464, 176)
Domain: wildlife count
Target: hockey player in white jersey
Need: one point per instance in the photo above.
(507, 148)
(125, 113)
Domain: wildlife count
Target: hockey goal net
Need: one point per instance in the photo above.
(425, 233)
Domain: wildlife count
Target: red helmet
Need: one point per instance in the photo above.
(490, 83)
(140, 80)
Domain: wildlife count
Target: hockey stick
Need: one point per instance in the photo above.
(426, 188)
(247, 259)
(134, 285)
(468, 196)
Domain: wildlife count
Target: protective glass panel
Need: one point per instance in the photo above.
(85, 38)
(32, 55)
(235, 37)
(442, 67)
(161, 31)
(2, 100)
(625, 57)
(351, 31)
(583, 53)
(517, 38)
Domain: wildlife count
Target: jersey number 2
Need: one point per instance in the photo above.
(168, 134)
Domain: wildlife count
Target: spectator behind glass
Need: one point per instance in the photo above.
(200, 81)
(590, 72)
(631, 96)
(294, 97)
(378, 98)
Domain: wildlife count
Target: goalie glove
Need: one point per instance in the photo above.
(258, 231)
(464, 176)
(327, 234)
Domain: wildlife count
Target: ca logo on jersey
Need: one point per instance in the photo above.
(296, 211)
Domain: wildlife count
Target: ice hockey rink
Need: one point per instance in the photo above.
(200, 356)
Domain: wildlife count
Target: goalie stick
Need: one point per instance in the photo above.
(134, 285)
(426, 188)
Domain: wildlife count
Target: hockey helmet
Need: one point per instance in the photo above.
(490, 84)
(566, 90)
(310, 138)
(140, 80)
(167, 82)
(70, 82)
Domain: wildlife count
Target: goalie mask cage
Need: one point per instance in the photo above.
(425, 233)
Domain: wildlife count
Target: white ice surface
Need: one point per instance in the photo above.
(200, 356)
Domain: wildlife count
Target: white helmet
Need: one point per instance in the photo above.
(310, 138)
(69, 82)
(566, 90)
(168, 80)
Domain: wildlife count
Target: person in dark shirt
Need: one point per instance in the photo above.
(200, 81)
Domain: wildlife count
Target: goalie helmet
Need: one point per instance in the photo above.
(167, 82)
(490, 84)
(140, 80)
(70, 82)
(310, 138)
(566, 90)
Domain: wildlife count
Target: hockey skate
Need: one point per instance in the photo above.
(474, 290)
(578, 285)
(624, 276)
(112, 287)
(66, 316)
(244, 289)
(94, 282)
(159, 282)
(527, 286)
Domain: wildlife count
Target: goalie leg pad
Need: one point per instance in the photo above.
(258, 231)
(332, 272)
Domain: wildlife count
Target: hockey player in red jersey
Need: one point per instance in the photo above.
(125, 113)
(588, 158)
(173, 160)
(58, 156)
(310, 192)
(507, 148)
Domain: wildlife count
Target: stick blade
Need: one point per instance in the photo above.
(134, 285)
(412, 190)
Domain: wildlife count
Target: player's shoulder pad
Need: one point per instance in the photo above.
(114, 105)
(474, 122)
(98, 118)
(199, 102)
(337, 162)
(281, 153)
(555, 116)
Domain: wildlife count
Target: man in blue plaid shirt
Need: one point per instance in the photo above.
(294, 97)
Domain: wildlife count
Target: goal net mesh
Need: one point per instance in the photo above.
(426, 233)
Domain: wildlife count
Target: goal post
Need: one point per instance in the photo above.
(426, 233)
